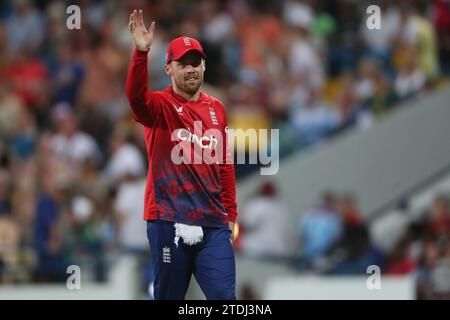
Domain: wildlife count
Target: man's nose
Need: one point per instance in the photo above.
(189, 68)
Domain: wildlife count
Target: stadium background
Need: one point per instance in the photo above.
(72, 161)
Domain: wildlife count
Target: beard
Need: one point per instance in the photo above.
(190, 84)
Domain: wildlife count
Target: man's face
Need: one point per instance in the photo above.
(187, 72)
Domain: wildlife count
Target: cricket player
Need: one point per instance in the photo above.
(190, 205)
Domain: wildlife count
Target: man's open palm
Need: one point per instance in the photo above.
(141, 37)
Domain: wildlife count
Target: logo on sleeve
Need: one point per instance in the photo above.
(213, 116)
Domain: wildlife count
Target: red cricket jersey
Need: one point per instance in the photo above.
(192, 193)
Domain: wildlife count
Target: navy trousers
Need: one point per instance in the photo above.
(212, 262)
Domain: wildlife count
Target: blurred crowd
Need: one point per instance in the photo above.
(332, 238)
(72, 161)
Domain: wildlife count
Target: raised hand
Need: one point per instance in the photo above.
(141, 37)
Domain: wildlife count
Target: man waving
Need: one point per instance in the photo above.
(190, 197)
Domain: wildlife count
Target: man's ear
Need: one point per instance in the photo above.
(168, 70)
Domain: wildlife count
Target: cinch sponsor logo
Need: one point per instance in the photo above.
(208, 147)
(205, 142)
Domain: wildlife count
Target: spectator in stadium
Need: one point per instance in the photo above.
(10, 109)
(383, 98)
(86, 244)
(354, 251)
(438, 220)
(410, 81)
(373, 87)
(441, 19)
(320, 228)
(126, 159)
(348, 105)
(440, 276)
(48, 233)
(5, 193)
(9, 246)
(367, 71)
(28, 77)
(25, 136)
(265, 226)
(67, 75)
(25, 27)
(69, 144)
(316, 120)
(128, 209)
(304, 60)
(417, 31)
(379, 42)
(400, 261)
(349, 210)
(426, 262)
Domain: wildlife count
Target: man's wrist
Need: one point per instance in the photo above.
(142, 49)
(140, 54)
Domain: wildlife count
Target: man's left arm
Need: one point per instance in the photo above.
(228, 193)
(228, 181)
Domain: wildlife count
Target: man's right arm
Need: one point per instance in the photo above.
(145, 105)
